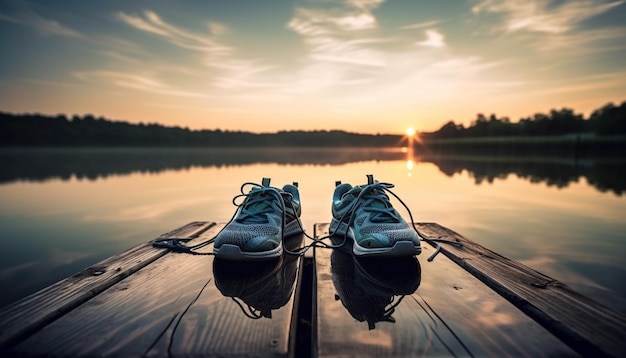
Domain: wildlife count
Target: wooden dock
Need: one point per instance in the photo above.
(469, 301)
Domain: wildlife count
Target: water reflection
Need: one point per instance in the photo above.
(410, 157)
(607, 175)
(259, 287)
(93, 163)
(371, 288)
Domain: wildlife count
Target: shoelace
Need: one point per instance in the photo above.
(392, 307)
(252, 312)
(381, 189)
(257, 203)
(370, 198)
(255, 206)
(178, 244)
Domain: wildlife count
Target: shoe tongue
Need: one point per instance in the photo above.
(258, 205)
(354, 192)
(378, 204)
(377, 201)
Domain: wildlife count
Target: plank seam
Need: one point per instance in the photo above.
(569, 337)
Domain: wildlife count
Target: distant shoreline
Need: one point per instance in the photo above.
(603, 133)
(566, 146)
(575, 142)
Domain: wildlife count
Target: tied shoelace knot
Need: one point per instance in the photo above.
(258, 202)
(373, 198)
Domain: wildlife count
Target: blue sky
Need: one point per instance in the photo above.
(359, 65)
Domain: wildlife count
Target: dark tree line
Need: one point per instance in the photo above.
(39, 130)
(606, 121)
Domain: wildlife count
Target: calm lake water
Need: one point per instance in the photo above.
(62, 210)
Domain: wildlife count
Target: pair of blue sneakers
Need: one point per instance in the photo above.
(362, 216)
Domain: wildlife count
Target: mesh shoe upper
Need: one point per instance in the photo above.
(262, 219)
(369, 217)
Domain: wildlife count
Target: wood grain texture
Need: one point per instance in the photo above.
(185, 305)
(450, 313)
(23, 318)
(589, 327)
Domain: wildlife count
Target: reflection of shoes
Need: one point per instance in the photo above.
(365, 215)
(263, 286)
(266, 216)
(371, 288)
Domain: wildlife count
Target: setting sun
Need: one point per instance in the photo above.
(410, 132)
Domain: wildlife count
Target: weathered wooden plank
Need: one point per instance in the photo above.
(587, 326)
(182, 304)
(23, 318)
(444, 311)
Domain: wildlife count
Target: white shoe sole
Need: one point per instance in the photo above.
(234, 252)
(400, 248)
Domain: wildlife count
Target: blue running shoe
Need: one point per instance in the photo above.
(256, 232)
(364, 215)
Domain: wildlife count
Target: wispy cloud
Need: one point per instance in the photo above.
(9, 19)
(365, 5)
(356, 22)
(118, 44)
(546, 26)
(239, 74)
(543, 15)
(44, 26)
(231, 72)
(421, 25)
(584, 42)
(434, 38)
(376, 63)
(152, 23)
(51, 27)
(340, 39)
(216, 28)
(349, 60)
(138, 82)
(337, 38)
(118, 56)
(594, 84)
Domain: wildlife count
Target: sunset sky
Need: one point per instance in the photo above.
(370, 66)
